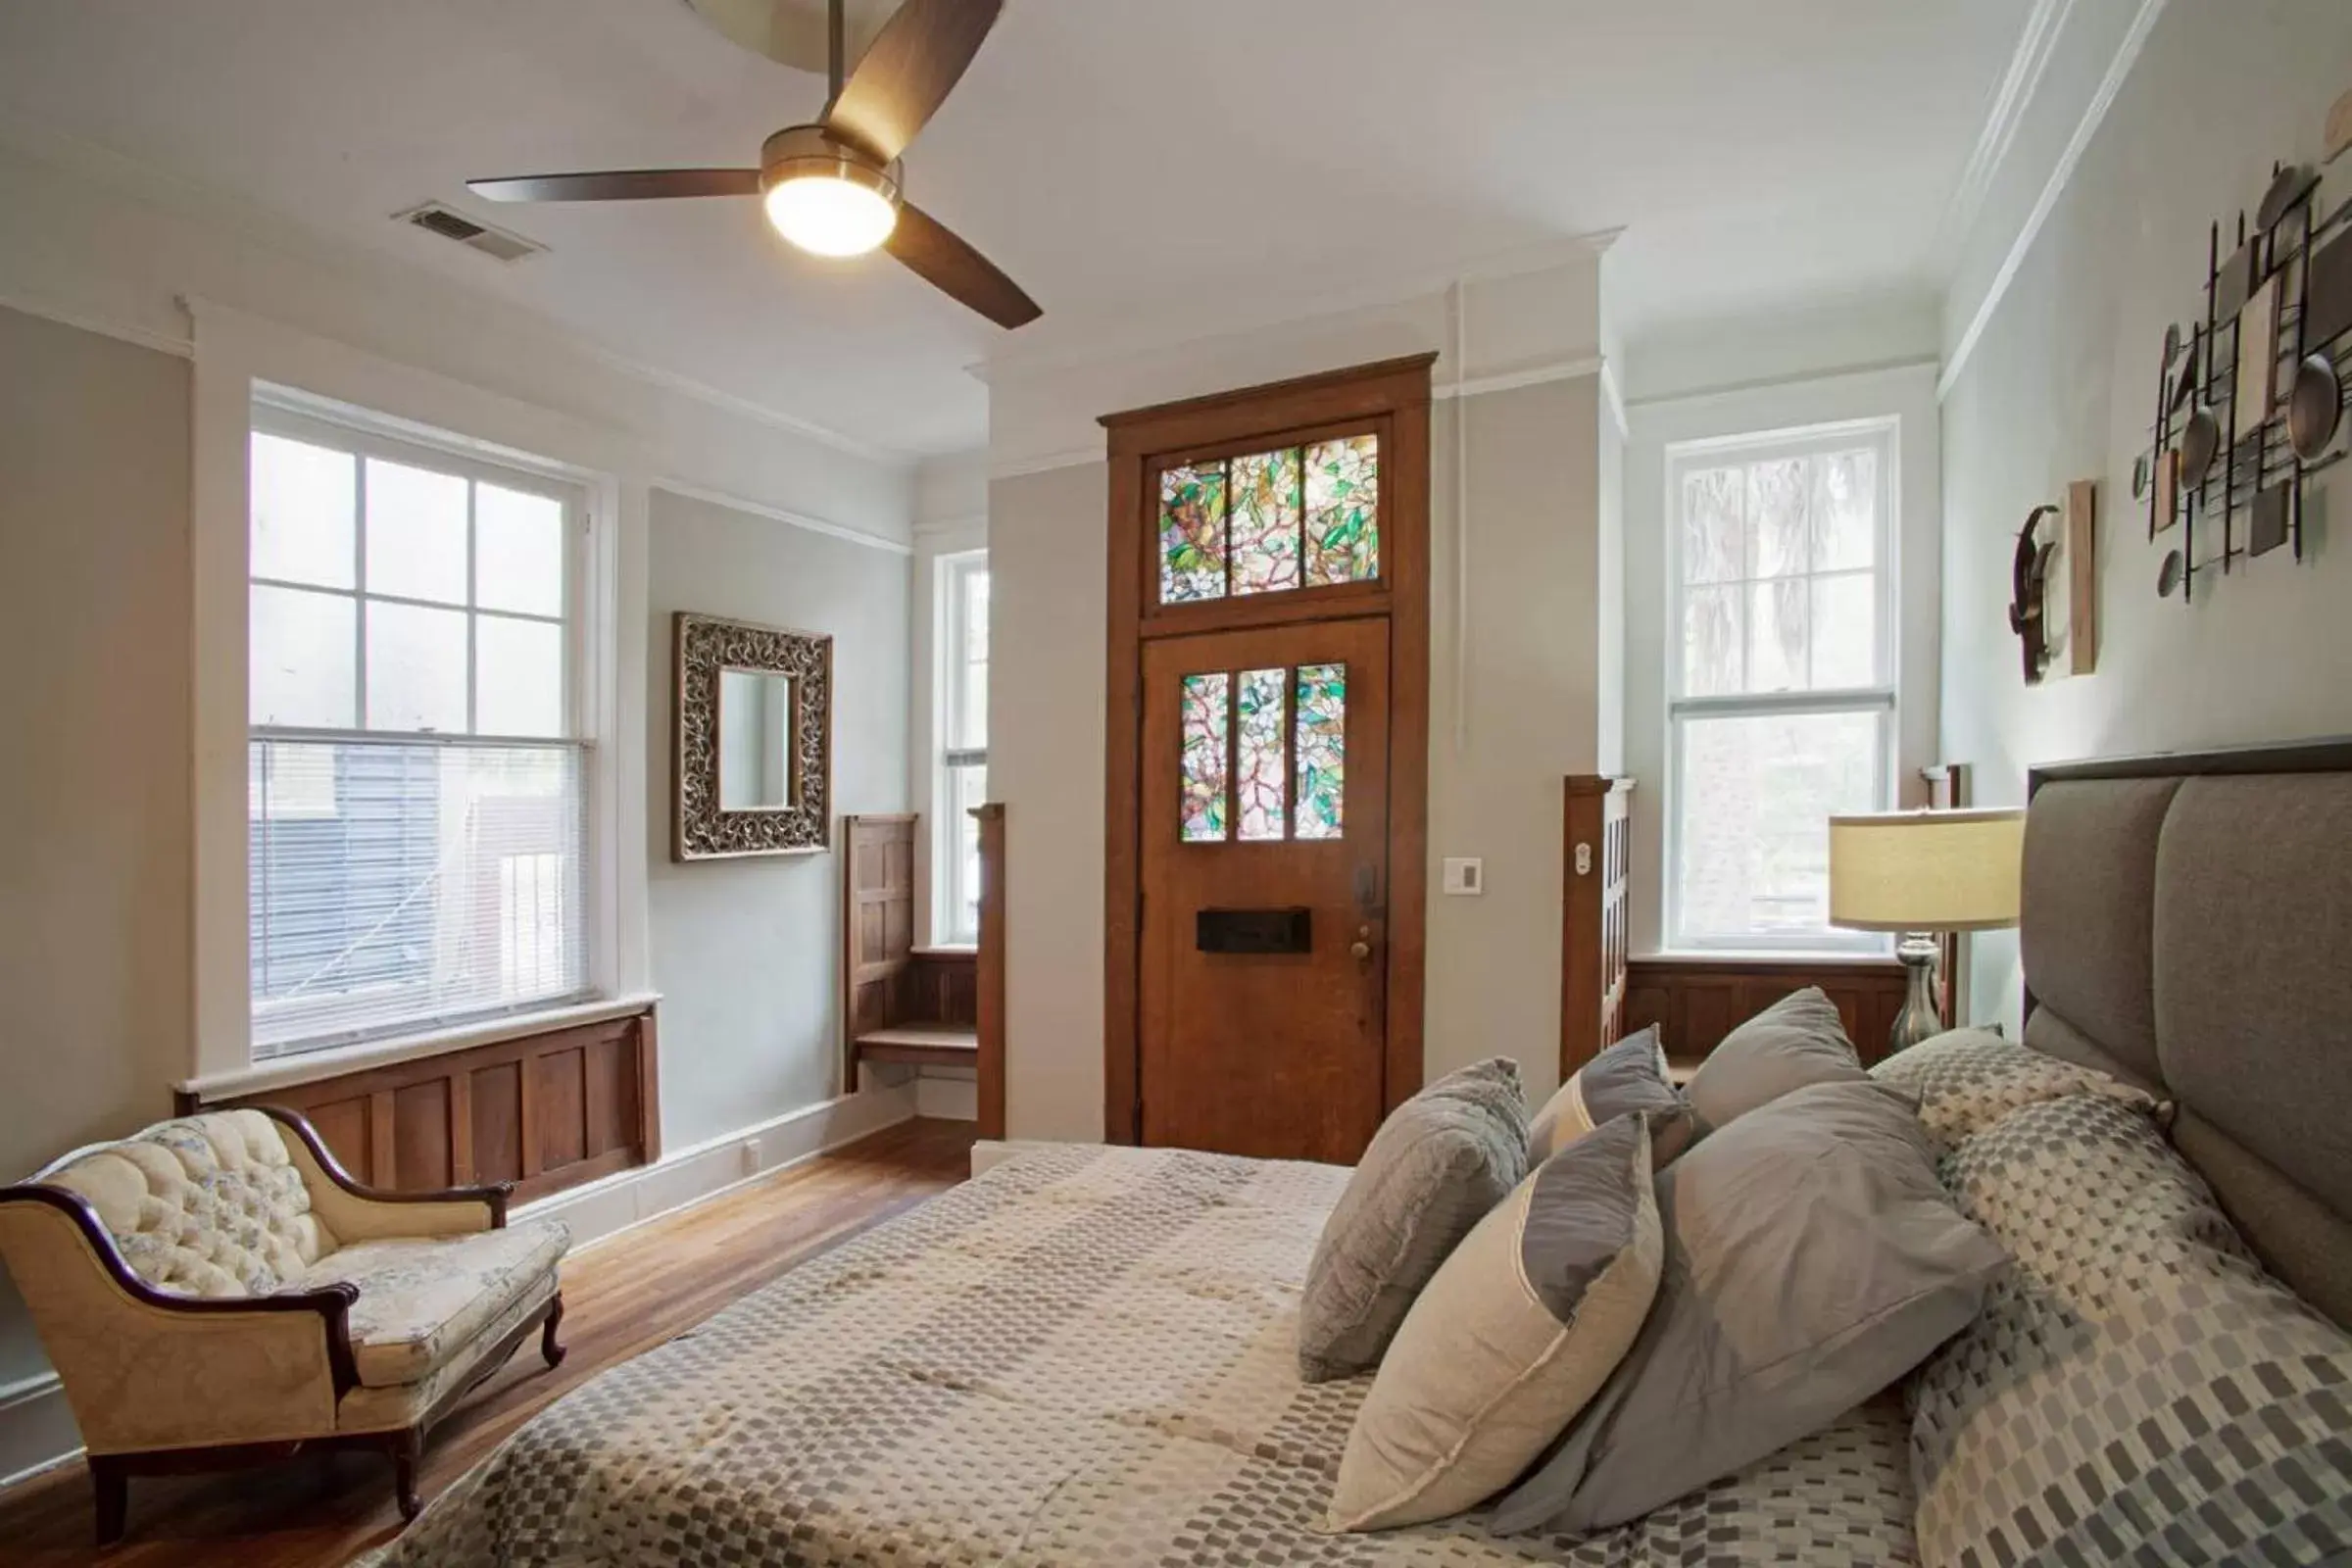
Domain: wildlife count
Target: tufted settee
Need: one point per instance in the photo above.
(217, 1291)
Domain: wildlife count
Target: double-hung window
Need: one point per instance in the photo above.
(962, 781)
(1782, 678)
(416, 770)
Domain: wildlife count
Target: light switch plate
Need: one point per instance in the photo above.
(1465, 878)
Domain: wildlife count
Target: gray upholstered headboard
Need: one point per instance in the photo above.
(2188, 927)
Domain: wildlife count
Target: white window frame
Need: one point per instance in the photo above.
(348, 431)
(1883, 700)
(950, 828)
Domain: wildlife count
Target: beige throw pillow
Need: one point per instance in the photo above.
(1516, 1333)
(1629, 1078)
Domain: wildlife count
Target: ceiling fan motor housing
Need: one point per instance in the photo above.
(810, 152)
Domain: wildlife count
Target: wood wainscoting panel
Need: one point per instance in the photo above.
(544, 1111)
(1696, 1001)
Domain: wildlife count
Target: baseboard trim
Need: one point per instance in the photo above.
(37, 1433)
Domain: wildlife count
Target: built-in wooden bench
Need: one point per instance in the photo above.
(914, 1006)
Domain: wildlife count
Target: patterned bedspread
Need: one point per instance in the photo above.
(1083, 1357)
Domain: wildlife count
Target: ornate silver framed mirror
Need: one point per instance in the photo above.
(752, 759)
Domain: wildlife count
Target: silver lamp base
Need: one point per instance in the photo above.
(1920, 1018)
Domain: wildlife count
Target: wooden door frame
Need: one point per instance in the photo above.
(1396, 395)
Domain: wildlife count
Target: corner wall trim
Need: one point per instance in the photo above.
(36, 1428)
(2127, 54)
(798, 520)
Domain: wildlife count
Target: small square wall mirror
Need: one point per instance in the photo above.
(753, 752)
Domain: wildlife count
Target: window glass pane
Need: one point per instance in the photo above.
(1714, 539)
(1846, 510)
(397, 885)
(1780, 512)
(1752, 807)
(304, 498)
(1192, 533)
(1778, 616)
(1202, 804)
(415, 669)
(1259, 783)
(415, 533)
(1845, 630)
(519, 677)
(1711, 646)
(1263, 499)
(1322, 750)
(517, 552)
(1343, 511)
(303, 671)
(967, 787)
(968, 724)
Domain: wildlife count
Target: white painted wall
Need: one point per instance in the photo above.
(1908, 395)
(1516, 664)
(94, 806)
(2058, 385)
(748, 953)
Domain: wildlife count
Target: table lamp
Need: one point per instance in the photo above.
(1919, 872)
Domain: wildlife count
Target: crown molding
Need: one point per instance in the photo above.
(179, 347)
(1204, 320)
(798, 520)
(2119, 68)
(2036, 41)
(187, 199)
(1016, 466)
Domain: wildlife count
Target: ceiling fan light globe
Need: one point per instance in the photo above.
(828, 214)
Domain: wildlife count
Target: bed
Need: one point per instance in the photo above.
(1087, 1355)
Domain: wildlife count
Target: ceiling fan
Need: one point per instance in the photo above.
(834, 187)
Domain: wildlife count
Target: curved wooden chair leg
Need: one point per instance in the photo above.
(406, 1446)
(112, 1482)
(548, 1347)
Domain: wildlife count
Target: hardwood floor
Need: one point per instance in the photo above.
(620, 1297)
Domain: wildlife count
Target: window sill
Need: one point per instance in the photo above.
(946, 949)
(1768, 959)
(310, 1066)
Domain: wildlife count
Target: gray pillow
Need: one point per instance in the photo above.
(2137, 1390)
(1440, 1163)
(1522, 1326)
(1628, 1079)
(1797, 1040)
(1811, 1260)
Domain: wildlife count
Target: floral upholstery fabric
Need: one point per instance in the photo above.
(203, 1205)
(403, 1404)
(1970, 1078)
(422, 1301)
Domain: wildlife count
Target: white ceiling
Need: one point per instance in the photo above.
(1120, 157)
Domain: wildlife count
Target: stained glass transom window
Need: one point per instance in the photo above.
(1264, 755)
(1271, 521)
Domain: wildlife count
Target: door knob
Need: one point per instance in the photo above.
(1361, 949)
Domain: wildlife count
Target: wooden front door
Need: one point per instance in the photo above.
(1266, 777)
(1264, 817)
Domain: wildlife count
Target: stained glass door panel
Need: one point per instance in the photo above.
(1265, 788)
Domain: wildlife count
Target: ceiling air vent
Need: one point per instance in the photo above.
(435, 218)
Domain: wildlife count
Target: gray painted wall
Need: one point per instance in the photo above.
(2061, 387)
(747, 954)
(94, 800)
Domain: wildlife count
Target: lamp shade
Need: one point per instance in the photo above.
(1925, 870)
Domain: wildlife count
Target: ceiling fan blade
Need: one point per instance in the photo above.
(949, 265)
(907, 73)
(619, 186)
